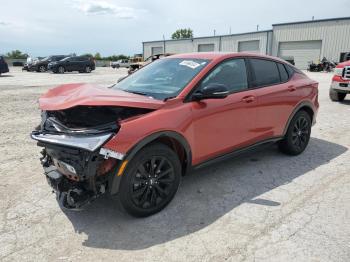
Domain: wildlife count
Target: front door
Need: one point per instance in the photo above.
(222, 125)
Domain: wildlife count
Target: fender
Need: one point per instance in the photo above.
(114, 180)
(295, 110)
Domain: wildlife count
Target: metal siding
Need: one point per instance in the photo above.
(335, 36)
(230, 43)
(177, 47)
(156, 50)
(249, 46)
(211, 40)
(147, 48)
(302, 52)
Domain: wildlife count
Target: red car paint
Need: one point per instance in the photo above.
(340, 79)
(67, 96)
(211, 127)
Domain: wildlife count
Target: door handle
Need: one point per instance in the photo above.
(291, 88)
(248, 99)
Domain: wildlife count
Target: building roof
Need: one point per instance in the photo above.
(214, 36)
(313, 21)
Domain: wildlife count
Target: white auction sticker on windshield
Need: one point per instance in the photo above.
(190, 64)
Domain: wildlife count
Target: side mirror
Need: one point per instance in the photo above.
(211, 91)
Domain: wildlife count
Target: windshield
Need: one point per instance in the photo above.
(163, 78)
(65, 59)
(46, 58)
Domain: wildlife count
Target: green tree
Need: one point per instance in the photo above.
(16, 54)
(182, 33)
(97, 56)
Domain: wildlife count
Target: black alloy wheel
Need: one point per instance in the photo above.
(298, 134)
(150, 181)
(87, 69)
(42, 68)
(61, 70)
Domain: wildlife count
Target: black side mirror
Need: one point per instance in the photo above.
(211, 91)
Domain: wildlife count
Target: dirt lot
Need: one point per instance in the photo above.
(262, 206)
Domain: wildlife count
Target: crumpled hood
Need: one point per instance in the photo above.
(71, 95)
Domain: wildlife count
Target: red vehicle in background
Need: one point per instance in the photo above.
(138, 137)
(340, 86)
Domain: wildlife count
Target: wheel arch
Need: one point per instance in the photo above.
(304, 105)
(174, 140)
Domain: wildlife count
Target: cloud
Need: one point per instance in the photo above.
(96, 7)
(2, 23)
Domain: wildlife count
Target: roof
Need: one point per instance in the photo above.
(215, 36)
(313, 21)
(222, 55)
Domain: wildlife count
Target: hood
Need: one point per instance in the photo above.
(343, 64)
(71, 95)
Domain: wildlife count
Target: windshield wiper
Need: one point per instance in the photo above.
(136, 92)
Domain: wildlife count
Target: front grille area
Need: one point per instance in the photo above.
(346, 73)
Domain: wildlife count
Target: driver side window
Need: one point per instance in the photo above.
(231, 73)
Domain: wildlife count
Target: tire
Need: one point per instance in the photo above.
(61, 70)
(117, 66)
(42, 69)
(145, 191)
(298, 134)
(335, 96)
(87, 69)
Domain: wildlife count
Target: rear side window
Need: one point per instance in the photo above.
(283, 73)
(265, 72)
(291, 70)
(231, 73)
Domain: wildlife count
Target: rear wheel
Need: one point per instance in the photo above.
(87, 69)
(150, 181)
(298, 134)
(335, 96)
(61, 70)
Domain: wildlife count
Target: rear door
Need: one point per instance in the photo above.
(71, 64)
(276, 97)
(222, 125)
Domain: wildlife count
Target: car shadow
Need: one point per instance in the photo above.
(204, 196)
(345, 102)
(6, 75)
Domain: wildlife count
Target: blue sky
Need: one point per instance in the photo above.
(44, 27)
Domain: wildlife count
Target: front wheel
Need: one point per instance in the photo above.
(150, 180)
(298, 134)
(335, 96)
(42, 68)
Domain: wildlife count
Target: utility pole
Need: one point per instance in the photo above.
(230, 30)
(257, 27)
(214, 32)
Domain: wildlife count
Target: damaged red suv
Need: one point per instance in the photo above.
(138, 137)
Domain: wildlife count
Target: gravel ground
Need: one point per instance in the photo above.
(262, 206)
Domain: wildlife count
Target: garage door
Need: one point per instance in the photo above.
(249, 46)
(302, 52)
(157, 50)
(205, 47)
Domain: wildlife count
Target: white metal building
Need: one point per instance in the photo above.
(299, 42)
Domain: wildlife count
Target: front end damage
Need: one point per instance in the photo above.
(75, 163)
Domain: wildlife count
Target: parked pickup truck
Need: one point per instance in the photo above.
(340, 86)
(120, 63)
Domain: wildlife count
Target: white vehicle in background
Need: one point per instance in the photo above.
(120, 63)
